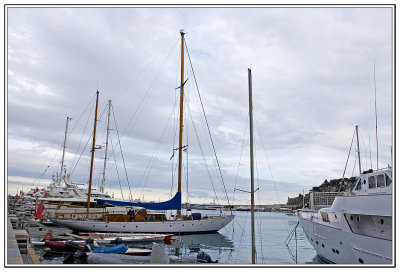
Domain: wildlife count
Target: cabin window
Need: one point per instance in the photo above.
(381, 181)
(372, 182)
(325, 217)
(388, 180)
(358, 186)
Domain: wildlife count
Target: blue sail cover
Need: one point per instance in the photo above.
(172, 204)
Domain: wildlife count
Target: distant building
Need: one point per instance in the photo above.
(320, 200)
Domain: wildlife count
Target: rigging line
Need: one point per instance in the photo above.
(355, 163)
(176, 117)
(91, 135)
(202, 153)
(348, 156)
(122, 154)
(240, 158)
(187, 154)
(79, 145)
(241, 237)
(116, 168)
(150, 63)
(270, 170)
(259, 202)
(205, 117)
(148, 90)
(48, 166)
(152, 160)
(81, 115)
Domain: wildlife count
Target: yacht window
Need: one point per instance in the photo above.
(381, 181)
(358, 186)
(388, 180)
(372, 182)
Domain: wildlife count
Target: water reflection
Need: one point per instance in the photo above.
(205, 241)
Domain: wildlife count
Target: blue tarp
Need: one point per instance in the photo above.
(121, 248)
(172, 204)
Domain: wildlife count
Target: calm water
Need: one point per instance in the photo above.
(232, 245)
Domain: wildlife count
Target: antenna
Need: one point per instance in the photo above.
(376, 122)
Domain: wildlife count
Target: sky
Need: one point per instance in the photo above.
(312, 82)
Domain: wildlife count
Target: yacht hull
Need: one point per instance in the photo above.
(341, 247)
(209, 225)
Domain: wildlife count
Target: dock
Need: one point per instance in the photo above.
(19, 249)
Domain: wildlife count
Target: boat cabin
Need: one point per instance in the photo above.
(374, 182)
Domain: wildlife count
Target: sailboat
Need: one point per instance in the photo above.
(139, 219)
(64, 196)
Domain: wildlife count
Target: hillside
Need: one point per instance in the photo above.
(327, 186)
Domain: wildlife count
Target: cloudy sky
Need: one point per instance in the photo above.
(313, 81)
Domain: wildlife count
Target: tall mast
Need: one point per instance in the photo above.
(92, 160)
(65, 141)
(253, 248)
(105, 155)
(181, 120)
(358, 150)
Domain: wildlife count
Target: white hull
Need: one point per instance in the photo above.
(357, 228)
(340, 247)
(212, 224)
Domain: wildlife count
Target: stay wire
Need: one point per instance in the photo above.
(348, 156)
(270, 170)
(150, 164)
(122, 154)
(116, 168)
(240, 158)
(148, 89)
(208, 127)
(83, 133)
(97, 122)
(202, 153)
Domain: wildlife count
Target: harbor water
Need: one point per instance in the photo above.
(231, 245)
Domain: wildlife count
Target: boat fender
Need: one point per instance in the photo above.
(48, 236)
(203, 257)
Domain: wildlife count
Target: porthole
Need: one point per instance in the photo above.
(351, 217)
(364, 181)
(311, 240)
(316, 242)
(382, 221)
(93, 225)
(360, 260)
(358, 219)
(333, 250)
(340, 243)
(323, 245)
(337, 251)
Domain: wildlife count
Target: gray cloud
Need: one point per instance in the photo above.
(312, 83)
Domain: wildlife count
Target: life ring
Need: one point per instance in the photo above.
(48, 236)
